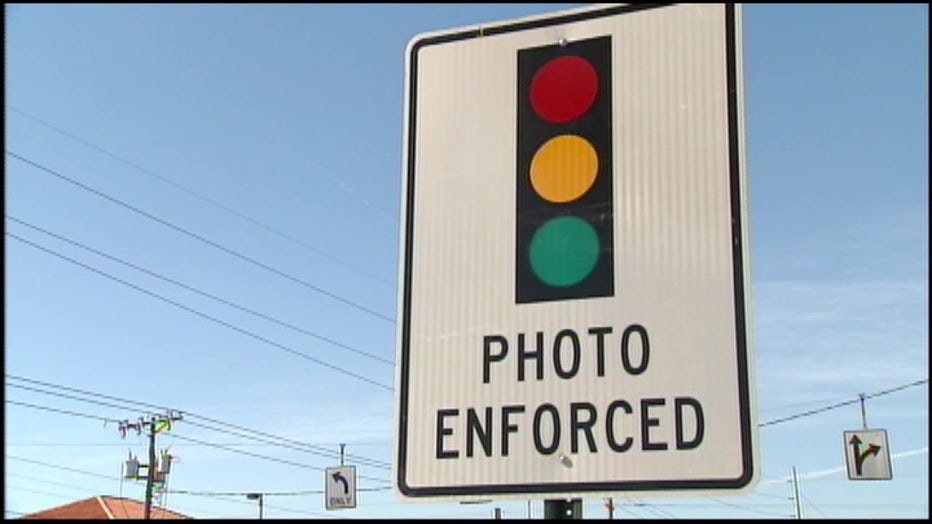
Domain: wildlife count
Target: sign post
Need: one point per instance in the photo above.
(573, 319)
(561, 509)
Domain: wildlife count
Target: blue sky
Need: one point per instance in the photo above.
(253, 153)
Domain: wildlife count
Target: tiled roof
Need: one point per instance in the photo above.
(104, 508)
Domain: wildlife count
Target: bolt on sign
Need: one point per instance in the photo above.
(573, 318)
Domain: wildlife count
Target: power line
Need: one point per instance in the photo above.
(200, 196)
(877, 394)
(274, 459)
(72, 397)
(801, 404)
(365, 462)
(202, 293)
(745, 508)
(38, 492)
(133, 405)
(189, 422)
(70, 497)
(270, 493)
(116, 444)
(652, 509)
(203, 239)
(56, 410)
(811, 412)
(85, 472)
(203, 315)
(645, 506)
(241, 452)
(299, 447)
(60, 484)
(244, 502)
(770, 495)
(763, 424)
(841, 404)
(166, 491)
(269, 506)
(318, 449)
(627, 508)
(56, 466)
(813, 506)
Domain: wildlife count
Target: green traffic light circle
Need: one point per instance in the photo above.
(564, 251)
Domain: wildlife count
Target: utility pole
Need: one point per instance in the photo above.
(155, 424)
(799, 513)
(150, 471)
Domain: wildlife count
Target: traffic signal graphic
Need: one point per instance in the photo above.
(564, 172)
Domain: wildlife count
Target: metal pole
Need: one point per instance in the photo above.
(563, 509)
(342, 447)
(863, 411)
(150, 474)
(259, 497)
(799, 513)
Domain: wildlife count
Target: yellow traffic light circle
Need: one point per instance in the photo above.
(564, 168)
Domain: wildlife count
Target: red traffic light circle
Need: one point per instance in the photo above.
(564, 88)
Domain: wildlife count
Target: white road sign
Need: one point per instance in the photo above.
(867, 454)
(340, 490)
(574, 313)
